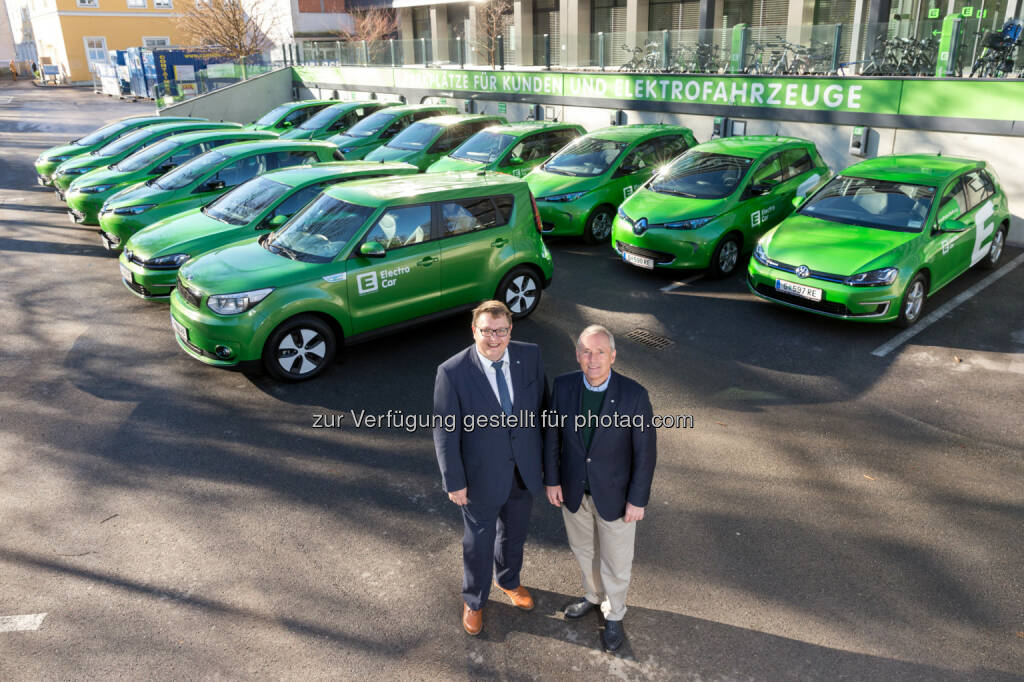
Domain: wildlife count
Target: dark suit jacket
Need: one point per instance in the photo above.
(621, 460)
(483, 459)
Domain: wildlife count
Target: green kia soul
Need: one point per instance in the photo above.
(333, 120)
(579, 189)
(377, 128)
(513, 148)
(712, 204)
(114, 151)
(85, 196)
(151, 258)
(48, 161)
(199, 181)
(882, 236)
(364, 258)
(426, 141)
(289, 115)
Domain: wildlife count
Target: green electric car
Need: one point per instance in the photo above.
(86, 195)
(712, 204)
(513, 148)
(122, 147)
(882, 236)
(364, 258)
(284, 117)
(151, 258)
(379, 127)
(333, 120)
(579, 189)
(48, 161)
(426, 141)
(197, 182)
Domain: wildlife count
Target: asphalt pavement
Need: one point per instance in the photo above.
(834, 513)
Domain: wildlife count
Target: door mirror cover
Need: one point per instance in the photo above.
(372, 250)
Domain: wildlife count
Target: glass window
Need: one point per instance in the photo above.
(504, 204)
(976, 189)
(586, 157)
(468, 215)
(872, 203)
(300, 115)
(371, 124)
(148, 41)
(955, 192)
(129, 141)
(295, 202)
(95, 48)
(796, 162)
(271, 116)
(236, 173)
(701, 175)
(769, 172)
(320, 119)
(319, 232)
(162, 4)
(106, 132)
(146, 156)
(278, 160)
(401, 226)
(483, 147)
(242, 204)
(415, 137)
(191, 171)
(558, 139)
(137, 3)
(185, 154)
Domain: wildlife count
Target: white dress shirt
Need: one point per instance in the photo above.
(492, 376)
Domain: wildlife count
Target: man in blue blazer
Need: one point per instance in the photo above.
(491, 461)
(599, 459)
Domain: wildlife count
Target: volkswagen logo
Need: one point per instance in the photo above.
(640, 226)
(803, 272)
(188, 277)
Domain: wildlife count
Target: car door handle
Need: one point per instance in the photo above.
(499, 242)
(427, 261)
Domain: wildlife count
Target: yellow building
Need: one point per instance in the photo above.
(73, 33)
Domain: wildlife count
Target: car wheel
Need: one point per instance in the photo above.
(726, 257)
(599, 225)
(995, 252)
(520, 290)
(299, 349)
(912, 303)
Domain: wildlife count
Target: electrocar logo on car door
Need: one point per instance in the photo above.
(367, 283)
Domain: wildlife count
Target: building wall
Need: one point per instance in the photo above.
(7, 52)
(120, 33)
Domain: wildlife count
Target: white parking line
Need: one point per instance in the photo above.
(30, 621)
(944, 309)
(688, 280)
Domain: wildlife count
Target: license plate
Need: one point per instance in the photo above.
(639, 261)
(179, 328)
(800, 290)
(126, 274)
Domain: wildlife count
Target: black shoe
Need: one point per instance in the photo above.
(613, 635)
(579, 608)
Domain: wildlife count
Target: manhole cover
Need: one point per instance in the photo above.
(648, 338)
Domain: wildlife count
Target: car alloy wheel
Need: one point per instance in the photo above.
(599, 226)
(520, 290)
(726, 257)
(913, 301)
(995, 251)
(299, 349)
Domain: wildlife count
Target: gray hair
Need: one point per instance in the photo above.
(596, 329)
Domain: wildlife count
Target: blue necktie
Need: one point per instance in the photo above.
(506, 399)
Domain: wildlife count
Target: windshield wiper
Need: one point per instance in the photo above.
(673, 192)
(558, 171)
(274, 248)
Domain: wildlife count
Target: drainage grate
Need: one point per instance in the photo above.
(649, 339)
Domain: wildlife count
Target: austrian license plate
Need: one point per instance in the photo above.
(179, 328)
(638, 261)
(126, 274)
(801, 290)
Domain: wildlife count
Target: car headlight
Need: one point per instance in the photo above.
(133, 210)
(873, 278)
(346, 150)
(73, 171)
(93, 189)
(689, 223)
(571, 196)
(54, 159)
(761, 257)
(170, 262)
(233, 304)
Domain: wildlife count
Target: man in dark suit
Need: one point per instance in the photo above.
(491, 462)
(598, 465)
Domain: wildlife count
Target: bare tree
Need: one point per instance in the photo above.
(374, 26)
(238, 31)
(491, 22)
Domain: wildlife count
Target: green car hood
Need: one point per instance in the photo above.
(297, 134)
(103, 176)
(178, 234)
(389, 154)
(447, 163)
(139, 193)
(832, 247)
(665, 208)
(243, 267)
(544, 184)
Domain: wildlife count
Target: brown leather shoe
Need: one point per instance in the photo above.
(472, 621)
(520, 597)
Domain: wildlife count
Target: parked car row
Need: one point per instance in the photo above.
(325, 223)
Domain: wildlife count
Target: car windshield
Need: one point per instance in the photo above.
(371, 124)
(483, 147)
(189, 171)
(319, 232)
(123, 144)
(587, 157)
(882, 204)
(103, 134)
(322, 118)
(244, 203)
(701, 175)
(271, 116)
(146, 156)
(415, 137)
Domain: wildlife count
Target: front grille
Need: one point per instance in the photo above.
(191, 296)
(143, 291)
(814, 274)
(659, 257)
(547, 227)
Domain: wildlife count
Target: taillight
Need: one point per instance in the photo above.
(536, 214)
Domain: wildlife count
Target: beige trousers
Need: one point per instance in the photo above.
(604, 550)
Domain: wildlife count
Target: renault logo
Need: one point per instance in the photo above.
(640, 226)
(803, 272)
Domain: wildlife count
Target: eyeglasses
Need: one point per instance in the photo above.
(500, 333)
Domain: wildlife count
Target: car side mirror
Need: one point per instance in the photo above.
(759, 190)
(515, 160)
(287, 124)
(372, 250)
(798, 201)
(164, 168)
(212, 186)
(952, 226)
(275, 221)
